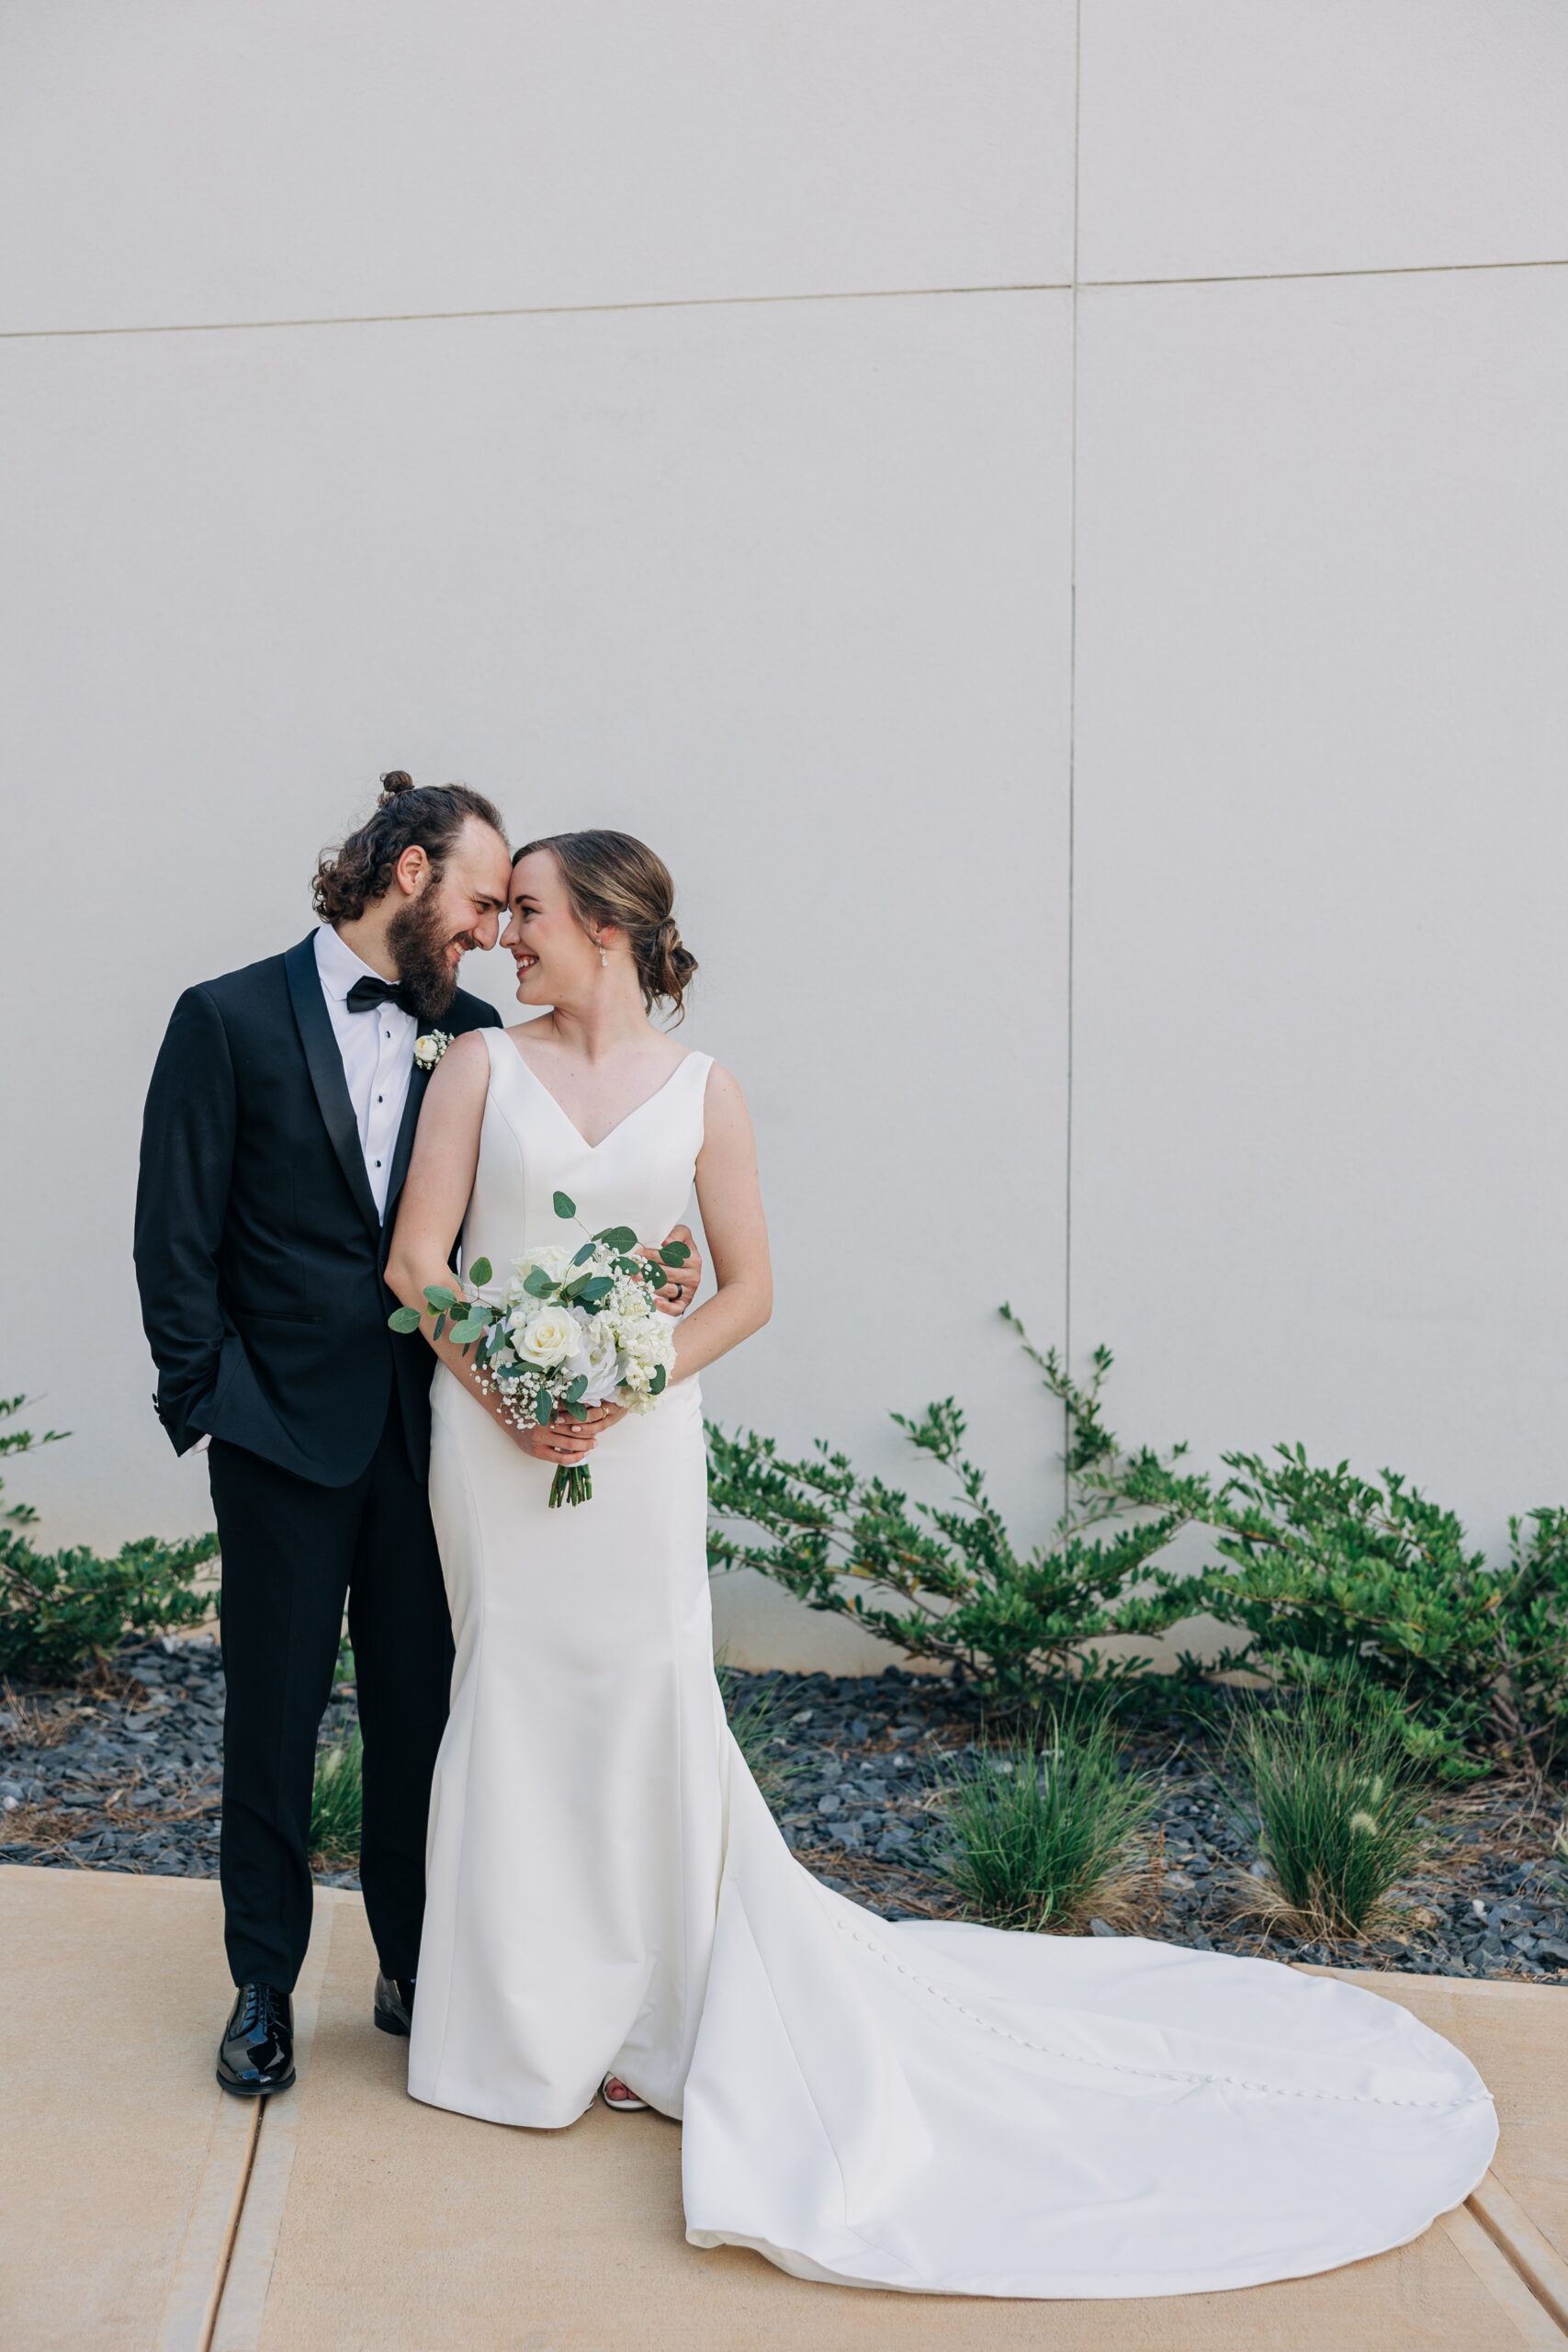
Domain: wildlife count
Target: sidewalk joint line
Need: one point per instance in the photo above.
(230, 2230)
(1523, 2245)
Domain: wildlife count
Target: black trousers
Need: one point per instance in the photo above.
(292, 1552)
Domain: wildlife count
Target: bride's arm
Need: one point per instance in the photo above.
(731, 1202)
(430, 1216)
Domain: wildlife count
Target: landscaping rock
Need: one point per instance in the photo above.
(128, 1771)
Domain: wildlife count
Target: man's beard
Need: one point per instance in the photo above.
(419, 941)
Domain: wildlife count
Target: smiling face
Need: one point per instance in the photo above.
(555, 960)
(448, 913)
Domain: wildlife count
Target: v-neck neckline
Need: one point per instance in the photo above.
(635, 1112)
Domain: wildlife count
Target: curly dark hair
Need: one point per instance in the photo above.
(430, 817)
(615, 878)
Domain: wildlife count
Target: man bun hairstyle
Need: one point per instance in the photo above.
(408, 816)
(615, 878)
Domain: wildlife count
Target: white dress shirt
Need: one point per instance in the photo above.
(377, 1056)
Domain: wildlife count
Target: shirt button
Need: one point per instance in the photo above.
(378, 1163)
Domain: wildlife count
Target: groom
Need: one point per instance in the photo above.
(277, 1133)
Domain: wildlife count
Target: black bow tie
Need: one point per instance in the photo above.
(367, 994)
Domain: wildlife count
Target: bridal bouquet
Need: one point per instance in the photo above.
(571, 1329)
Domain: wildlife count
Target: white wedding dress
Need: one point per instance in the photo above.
(939, 2107)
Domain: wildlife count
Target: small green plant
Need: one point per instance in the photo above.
(1043, 1831)
(755, 1722)
(59, 1611)
(1338, 1802)
(337, 1800)
(949, 1581)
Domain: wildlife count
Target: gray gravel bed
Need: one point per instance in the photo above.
(125, 1775)
(868, 1756)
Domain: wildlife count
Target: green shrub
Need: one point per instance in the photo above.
(1325, 1573)
(957, 1589)
(1329, 1574)
(1338, 1804)
(61, 1609)
(337, 1800)
(1043, 1831)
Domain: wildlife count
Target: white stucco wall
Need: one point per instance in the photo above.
(1064, 553)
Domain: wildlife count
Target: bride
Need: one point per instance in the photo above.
(930, 2106)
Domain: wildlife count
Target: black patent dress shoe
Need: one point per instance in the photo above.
(257, 2053)
(394, 2003)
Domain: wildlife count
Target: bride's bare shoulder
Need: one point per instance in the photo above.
(724, 1105)
(463, 1069)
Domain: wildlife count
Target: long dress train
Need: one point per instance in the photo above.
(934, 2107)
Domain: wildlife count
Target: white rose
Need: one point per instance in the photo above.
(547, 1337)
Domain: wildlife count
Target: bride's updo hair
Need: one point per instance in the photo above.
(615, 878)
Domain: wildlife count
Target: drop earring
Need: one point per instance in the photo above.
(603, 959)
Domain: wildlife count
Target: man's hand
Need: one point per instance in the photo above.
(679, 1287)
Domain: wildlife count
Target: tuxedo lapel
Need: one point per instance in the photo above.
(457, 1024)
(325, 1065)
(418, 1080)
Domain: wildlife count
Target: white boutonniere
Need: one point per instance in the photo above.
(428, 1049)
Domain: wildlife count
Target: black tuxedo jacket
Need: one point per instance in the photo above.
(259, 1253)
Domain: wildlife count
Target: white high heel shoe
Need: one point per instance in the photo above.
(630, 2105)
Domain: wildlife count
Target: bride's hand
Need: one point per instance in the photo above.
(563, 1444)
(604, 1417)
(569, 1438)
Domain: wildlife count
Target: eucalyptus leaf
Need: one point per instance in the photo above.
(543, 1409)
(584, 1254)
(574, 1393)
(464, 1334)
(439, 1297)
(537, 1283)
(403, 1318)
(441, 1323)
(591, 1291)
(480, 1271)
(657, 1385)
(617, 1237)
(674, 1253)
(565, 1204)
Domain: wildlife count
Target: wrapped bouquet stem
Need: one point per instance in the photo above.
(571, 1329)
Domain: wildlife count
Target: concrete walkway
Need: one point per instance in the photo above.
(143, 2212)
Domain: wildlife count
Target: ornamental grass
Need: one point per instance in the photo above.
(1044, 1832)
(1338, 1802)
(337, 1802)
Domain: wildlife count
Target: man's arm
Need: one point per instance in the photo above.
(188, 1152)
